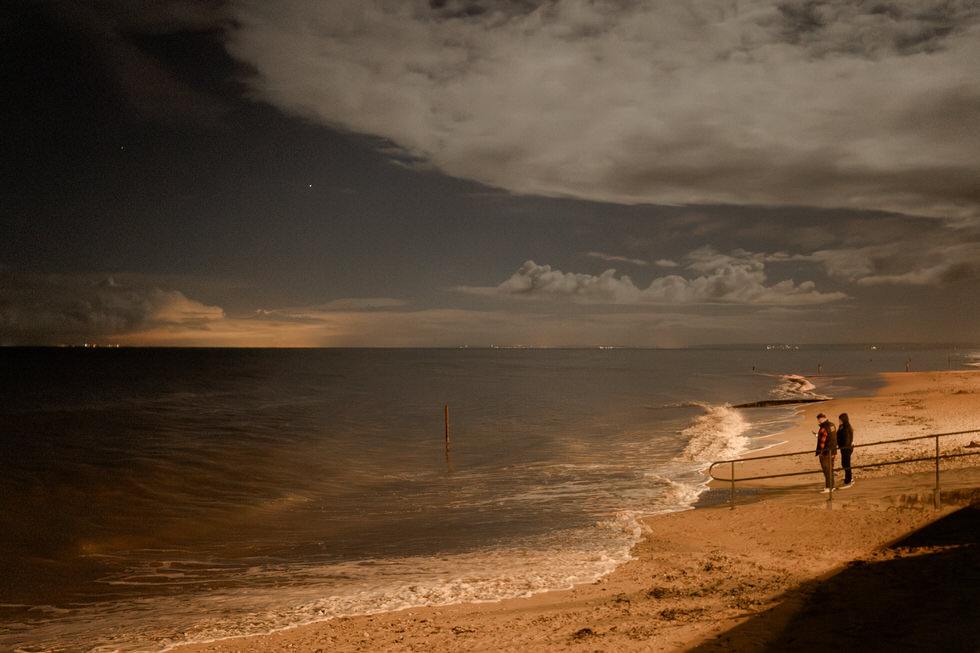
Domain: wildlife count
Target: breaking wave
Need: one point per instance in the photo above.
(718, 434)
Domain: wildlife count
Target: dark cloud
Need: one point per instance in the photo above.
(903, 256)
(148, 54)
(872, 29)
(52, 309)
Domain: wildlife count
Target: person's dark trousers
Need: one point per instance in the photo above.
(845, 462)
(827, 464)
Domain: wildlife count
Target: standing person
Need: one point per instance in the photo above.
(845, 442)
(826, 450)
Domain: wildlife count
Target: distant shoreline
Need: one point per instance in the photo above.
(761, 347)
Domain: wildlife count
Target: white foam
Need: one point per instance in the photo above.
(716, 435)
(795, 386)
(362, 587)
(435, 581)
(681, 496)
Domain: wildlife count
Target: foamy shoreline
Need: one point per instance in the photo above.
(911, 404)
(701, 573)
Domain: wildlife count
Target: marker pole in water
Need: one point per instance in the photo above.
(448, 463)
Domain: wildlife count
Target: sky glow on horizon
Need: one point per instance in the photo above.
(453, 173)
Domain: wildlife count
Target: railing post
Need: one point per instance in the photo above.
(833, 482)
(733, 485)
(936, 501)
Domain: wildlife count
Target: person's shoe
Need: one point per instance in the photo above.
(826, 490)
(845, 486)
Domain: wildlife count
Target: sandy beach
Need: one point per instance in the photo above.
(877, 566)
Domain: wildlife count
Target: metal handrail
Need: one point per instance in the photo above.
(937, 457)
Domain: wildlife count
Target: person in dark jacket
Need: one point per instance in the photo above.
(827, 450)
(845, 442)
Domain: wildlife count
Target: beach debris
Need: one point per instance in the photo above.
(662, 592)
(584, 633)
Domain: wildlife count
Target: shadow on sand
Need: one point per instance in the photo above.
(922, 593)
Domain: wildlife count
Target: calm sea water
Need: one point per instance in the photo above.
(150, 497)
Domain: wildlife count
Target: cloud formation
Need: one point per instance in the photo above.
(612, 258)
(861, 104)
(931, 260)
(736, 278)
(37, 309)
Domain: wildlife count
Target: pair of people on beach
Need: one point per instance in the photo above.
(829, 440)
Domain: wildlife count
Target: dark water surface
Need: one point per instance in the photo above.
(154, 496)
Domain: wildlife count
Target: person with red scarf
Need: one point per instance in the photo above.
(826, 450)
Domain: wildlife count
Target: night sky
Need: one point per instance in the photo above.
(495, 172)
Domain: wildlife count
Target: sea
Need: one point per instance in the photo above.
(155, 497)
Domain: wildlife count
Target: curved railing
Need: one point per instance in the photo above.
(935, 457)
